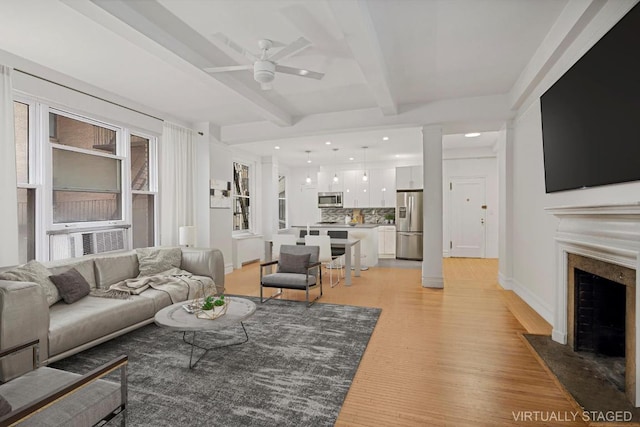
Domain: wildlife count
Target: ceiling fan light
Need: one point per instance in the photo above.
(264, 71)
(303, 72)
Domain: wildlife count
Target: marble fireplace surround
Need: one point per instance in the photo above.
(607, 234)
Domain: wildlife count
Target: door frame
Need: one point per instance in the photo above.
(452, 179)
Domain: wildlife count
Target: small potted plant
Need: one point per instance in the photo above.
(389, 218)
(213, 307)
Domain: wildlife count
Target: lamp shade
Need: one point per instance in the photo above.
(187, 235)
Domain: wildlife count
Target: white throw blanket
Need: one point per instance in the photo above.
(179, 284)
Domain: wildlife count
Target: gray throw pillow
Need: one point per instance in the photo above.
(71, 285)
(5, 408)
(35, 272)
(292, 263)
(156, 260)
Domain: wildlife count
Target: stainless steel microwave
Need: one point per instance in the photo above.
(330, 200)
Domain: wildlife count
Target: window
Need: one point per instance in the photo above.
(96, 175)
(26, 191)
(86, 171)
(282, 203)
(241, 197)
(143, 195)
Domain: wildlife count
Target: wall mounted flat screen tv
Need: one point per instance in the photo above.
(591, 115)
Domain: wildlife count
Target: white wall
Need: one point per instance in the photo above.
(221, 220)
(461, 167)
(532, 247)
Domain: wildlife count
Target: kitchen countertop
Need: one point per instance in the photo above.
(366, 225)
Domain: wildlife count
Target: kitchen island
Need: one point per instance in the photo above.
(367, 233)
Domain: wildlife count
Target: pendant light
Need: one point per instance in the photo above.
(335, 172)
(364, 150)
(308, 161)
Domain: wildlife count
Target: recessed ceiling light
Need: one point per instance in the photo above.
(277, 147)
(350, 158)
(328, 142)
(309, 161)
(472, 134)
(385, 138)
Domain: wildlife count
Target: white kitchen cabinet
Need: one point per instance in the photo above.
(326, 182)
(382, 188)
(356, 191)
(409, 178)
(387, 241)
(323, 182)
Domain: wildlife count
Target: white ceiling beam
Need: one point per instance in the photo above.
(483, 113)
(354, 19)
(569, 25)
(156, 23)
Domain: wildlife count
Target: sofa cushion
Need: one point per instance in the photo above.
(84, 267)
(114, 269)
(35, 272)
(84, 408)
(293, 263)
(156, 260)
(92, 318)
(71, 285)
(5, 407)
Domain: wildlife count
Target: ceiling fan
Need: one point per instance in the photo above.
(266, 64)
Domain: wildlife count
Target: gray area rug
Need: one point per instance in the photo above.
(295, 369)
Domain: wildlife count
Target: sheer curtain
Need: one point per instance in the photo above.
(8, 185)
(177, 181)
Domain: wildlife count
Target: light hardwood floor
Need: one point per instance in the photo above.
(450, 357)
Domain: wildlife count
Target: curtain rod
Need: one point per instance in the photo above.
(88, 94)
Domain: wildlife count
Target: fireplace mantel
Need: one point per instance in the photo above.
(609, 233)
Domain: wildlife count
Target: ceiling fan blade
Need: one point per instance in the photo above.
(227, 42)
(299, 72)
(266, 86)
(291, 49)
(229, 68)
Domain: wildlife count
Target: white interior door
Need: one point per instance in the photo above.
(467, 222)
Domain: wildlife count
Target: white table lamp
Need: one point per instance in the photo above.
(187, 235)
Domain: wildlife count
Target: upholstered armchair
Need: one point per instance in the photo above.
(48, 397)
(298, 268)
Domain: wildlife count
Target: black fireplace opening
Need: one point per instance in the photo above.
(599, 315)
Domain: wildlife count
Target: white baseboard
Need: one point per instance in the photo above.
(532, 300)
(228, 268)
(445, 253)
(559, 337)
(505, 282)
(432, 282)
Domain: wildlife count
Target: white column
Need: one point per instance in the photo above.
(432, 199)
(269, 182)
(221, 220)
(8, 190)
(505, 206)
(203, 176)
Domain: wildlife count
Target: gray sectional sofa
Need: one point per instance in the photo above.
(65, 329)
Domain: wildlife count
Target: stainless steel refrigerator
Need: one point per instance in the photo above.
(409, 224)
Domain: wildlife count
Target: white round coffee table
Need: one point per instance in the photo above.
(176, 318)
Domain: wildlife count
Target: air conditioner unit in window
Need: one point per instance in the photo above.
(77, 244)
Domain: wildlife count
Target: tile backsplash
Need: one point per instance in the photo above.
(371, 215)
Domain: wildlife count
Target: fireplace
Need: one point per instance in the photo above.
(599, 307)
(598, 251)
